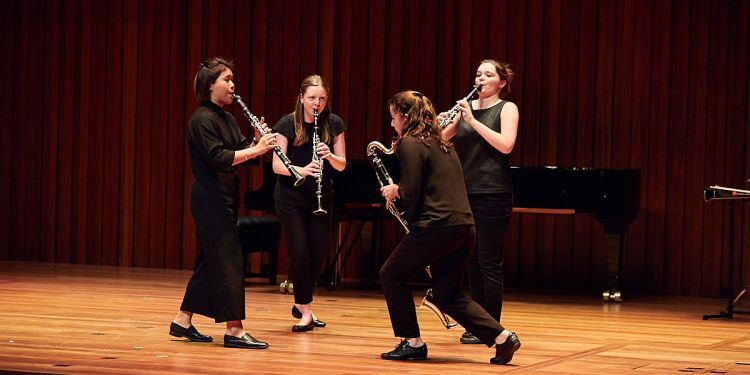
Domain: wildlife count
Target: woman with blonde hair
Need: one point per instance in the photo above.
(307, 232)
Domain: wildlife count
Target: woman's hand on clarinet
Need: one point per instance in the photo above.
(266, 142)
(443, 115)
(324, 152)
(466, 112)
(312, 169)
(262, 125)
(390, 192)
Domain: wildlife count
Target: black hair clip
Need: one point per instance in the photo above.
(418, 94)
(204, 64)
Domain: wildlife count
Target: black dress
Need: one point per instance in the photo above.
(216, 288)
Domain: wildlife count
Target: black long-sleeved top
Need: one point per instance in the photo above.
(432, 186)
(213, 137)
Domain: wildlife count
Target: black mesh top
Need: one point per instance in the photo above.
(486, 170)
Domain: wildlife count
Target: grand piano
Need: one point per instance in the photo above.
(611, 195)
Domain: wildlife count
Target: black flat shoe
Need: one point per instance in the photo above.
(504, 352)
(405, 351)
(303, 328)
(469, 338)
(298, 314)
(244, 342)
(191, 333)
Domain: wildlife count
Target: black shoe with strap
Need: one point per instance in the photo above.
(504, 352)
(191, 333)
(405, 351)
(298, 314)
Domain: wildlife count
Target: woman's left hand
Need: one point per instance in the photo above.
(390, 192)
(324, 152)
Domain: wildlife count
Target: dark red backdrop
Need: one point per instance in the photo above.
(94, 167)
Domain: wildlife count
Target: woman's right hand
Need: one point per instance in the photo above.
(266, 143)
(442, 115)
(312, 169)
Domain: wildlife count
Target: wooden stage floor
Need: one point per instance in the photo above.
(105, 320)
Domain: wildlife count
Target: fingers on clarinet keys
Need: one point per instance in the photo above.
(244, 342)
(404, 351)
(298, 314)
(191, 333)
(504, 352)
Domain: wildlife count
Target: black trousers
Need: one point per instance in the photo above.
(445, 250)
(307, 241)
(217, 287)
(492, 214)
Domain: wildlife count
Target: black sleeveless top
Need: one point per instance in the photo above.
(486, 170)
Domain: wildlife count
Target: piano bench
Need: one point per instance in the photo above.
(260, 234)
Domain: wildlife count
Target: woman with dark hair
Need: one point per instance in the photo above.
(216, 146)
(306, 231)
(441, 233)
(484, 136)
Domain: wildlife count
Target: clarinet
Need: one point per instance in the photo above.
(384, 178)
(454, 111)
(316, 157)
(298, 178)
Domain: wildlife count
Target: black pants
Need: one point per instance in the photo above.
(307, 242)
(445, 250)
(217, 287)
(492, 214)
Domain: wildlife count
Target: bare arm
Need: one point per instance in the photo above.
(264, 144)
(450, 130)
(337, 158)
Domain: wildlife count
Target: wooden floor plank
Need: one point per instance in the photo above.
(91, 320)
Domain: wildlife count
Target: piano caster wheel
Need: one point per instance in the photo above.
(612, 296)
(286, 287)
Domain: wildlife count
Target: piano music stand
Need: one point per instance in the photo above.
(731, 302)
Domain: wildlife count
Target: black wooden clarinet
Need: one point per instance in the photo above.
(298, 178)
(316, 157)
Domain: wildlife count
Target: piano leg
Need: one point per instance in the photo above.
(614, 248)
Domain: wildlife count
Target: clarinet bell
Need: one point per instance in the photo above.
(298, 178)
